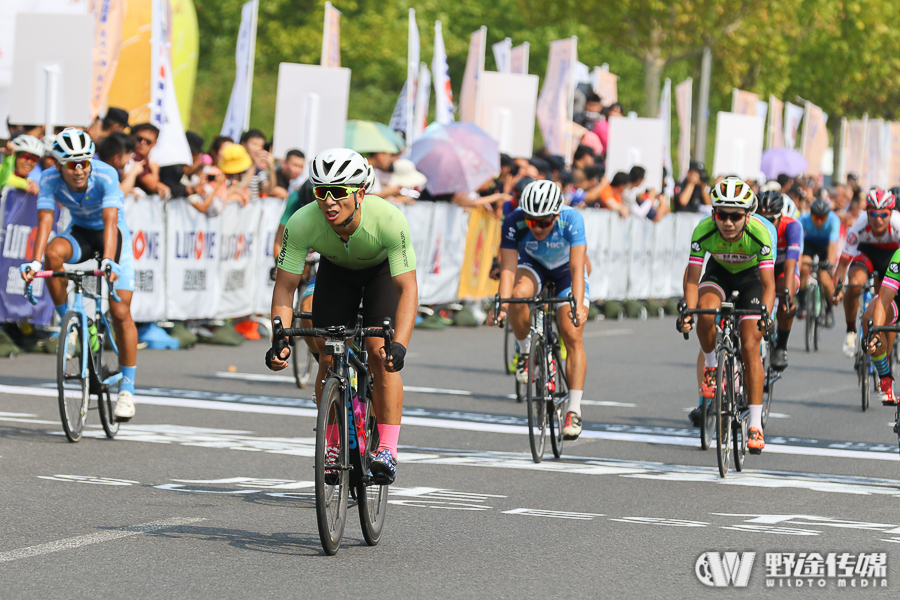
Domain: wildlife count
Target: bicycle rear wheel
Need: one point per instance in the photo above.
(821, 310)
(74, 390)
(536, 399)
(302, 359)
(769, 389)
(737, 399)
(509, 349)
(810, 320)
(371, 499)
(108, 366)
(864, 366)
(557, 408)
(723, 413)
(331, 478)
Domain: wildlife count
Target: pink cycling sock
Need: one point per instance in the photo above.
(332, 436)
(388, 435)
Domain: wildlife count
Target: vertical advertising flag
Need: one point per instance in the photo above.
(894, 171)
(743, 103)
(793, 115)
(108, 16)
(556, 101)
(775, 134)
(423, 98)
(412, 75)
(815, 137)
(238, 114)
(468, 95)
(683, 103)
(443, 93)
(606, 85)
(665, 113)
(518, 59)
(503, 55)
(871, 171)
(855, 145)
(331, 37)
(172, 147)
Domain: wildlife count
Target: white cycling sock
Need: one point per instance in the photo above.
(575, 401)
(709, 359)
(756, 416)
(524, 345)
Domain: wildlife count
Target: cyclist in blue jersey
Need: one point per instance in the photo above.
(821, 231)
(543, 242)
(89, 189)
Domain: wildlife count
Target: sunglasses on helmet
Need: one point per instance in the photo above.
(734, 217)
(338, 192)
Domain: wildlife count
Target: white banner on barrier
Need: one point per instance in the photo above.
(618, 258)
(146, 220)
(640, 257)
(192, 262)
(596, 230)
(238, 232)
(662, 273)
(272, 210)
(685, 223)
(442, 265)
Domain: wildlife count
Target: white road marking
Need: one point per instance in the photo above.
(285, 379)
(773, 530)
(553, 514)
(662, 521)
(645, 438)
(608, 403)
(89, 479)
(606, 332)
(95, 538)
(23, 418)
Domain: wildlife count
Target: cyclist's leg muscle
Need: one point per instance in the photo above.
(753, 368)
(59, 252)
(126, 330)
(526, 286)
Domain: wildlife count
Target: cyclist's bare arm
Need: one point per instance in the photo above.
(283, 306)
(832, 253)
(408, 290)
(767, 276)
(577, 257)
(45, 225)
(276, 246)
(509, 261)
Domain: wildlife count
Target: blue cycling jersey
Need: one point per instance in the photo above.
(552, 251)
(85, 207)
(829, 232)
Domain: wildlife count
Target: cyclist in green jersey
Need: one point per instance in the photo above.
(741, 260)
(366, 254)
(884, 309)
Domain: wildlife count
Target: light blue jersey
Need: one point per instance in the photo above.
(86, 207)
(553, 251)
(829, 232)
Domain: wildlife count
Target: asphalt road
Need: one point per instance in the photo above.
(208, 492)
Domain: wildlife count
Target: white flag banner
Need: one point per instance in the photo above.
(269, 219)
(146, 220)
(662, 273)
(398, 117)
(640, 257)
(596, 231)
(443, 93)
(172, 147)
(683, 103)
(665, 113)
(331, 37)
(192, 262)
(238, 113)
(238, 231)
(556, 101)
(619, 254)
(423, 98)
(412, 75)
(762, 109)
(793, 115)
(503, 55)
(518, 59)
(469, 94)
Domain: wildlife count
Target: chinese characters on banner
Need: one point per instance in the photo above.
(107, 39)
(556, 101)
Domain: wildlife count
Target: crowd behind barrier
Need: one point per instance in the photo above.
(189, 265)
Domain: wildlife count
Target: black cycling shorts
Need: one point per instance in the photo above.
(811, 249)
(874, 259)
(747, 283)
(90, 242)
(339, 291)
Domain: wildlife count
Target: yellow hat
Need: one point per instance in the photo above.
(233, 159)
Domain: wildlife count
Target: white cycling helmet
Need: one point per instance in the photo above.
(28, 143)
(541, 199)
(73, 144)
(340, 166)
(789, 209)
(370, 179)
(47, 141)
(731, 192)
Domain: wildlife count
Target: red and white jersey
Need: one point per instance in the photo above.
(860, 234)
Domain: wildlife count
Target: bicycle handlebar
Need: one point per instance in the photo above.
(684, 311)
(539, 300)
(73, 275)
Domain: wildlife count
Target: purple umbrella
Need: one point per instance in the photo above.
(776, 161)
(459, 157)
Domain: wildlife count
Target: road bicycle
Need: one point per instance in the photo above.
(546, 393)
(872, 331)
(816, 305)
(346, 432)
(731, 404)
(87, 355)
(866, 374)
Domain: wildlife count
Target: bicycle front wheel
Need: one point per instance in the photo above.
(108, 366)
(557, 407)
(536, 399)
(810, 319)
(332, 486)
(724, 379)
(74, 390)
(864, 367)
(509, 349)
(372, 499)
(769, 388)
(821, 311)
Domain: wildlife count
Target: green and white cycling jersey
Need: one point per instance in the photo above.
(755, 247)
(383, 234)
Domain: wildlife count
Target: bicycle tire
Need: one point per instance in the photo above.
(739, 424)
(372, 500)
(509, 349)
(810, 324)
(535, 398)
(108, 366)
(864, 369)
(723, 415)
(707, 424)
(331, 493)
(74, 397)
(558, 412)
(820, 316)
(769, 389)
